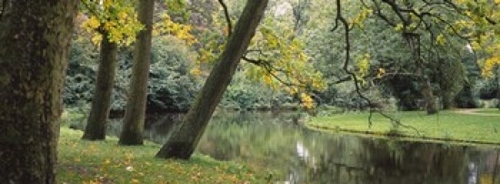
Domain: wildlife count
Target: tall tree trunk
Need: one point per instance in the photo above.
(430, 102)
(497, 81)
(133, 123)
(185, 139)
(101, 102)
(413, 41)
(35, 37)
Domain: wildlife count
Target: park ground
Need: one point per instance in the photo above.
(94, 162)
(476, 126)
(97, 162)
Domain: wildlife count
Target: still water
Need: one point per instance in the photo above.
(279, 142)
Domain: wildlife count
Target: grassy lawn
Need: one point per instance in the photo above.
(447, 125)
(489, 111)
(106, 162)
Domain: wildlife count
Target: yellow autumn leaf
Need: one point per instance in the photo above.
(489, 65)
(399, 27)
(440, 39)
(380, 73)
(306, 101)
(196, 71)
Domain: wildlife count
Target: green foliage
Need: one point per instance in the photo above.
(296, 44)
(468, 96)
(450, 76)
(486, 89)
(246, 94)
(171, 85)
(177, 9)
(81, 73)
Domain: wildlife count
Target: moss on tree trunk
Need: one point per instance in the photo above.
(101, 101)
(133, 123)
(185, 139)
(35, 37)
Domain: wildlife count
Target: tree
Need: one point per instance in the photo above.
(35, 37)
(136, 105)
(432, 30)
(101, 100)
(185, 138)
(116, 24)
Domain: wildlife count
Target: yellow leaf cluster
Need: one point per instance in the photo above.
(116, 18)
(440, 39)
(361, 17)
(181, 31)
(196, 71)
(287, 66)
(91, 24)
(399, 27)
(363, 64)
(380, 72)
(488, 44)
(107, 3)
(306, 101)
(489, 66)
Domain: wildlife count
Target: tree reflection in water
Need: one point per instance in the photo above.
(279, 142)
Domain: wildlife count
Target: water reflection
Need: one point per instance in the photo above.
(278, 142)
(311, 157)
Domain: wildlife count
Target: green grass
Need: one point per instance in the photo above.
(106, 162)
(447, 125)
(489, 111)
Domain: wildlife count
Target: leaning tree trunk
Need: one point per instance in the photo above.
(35, 37)
(101, 102)
(185, 139)
(133, 123)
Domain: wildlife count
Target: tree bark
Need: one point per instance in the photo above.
(35, 37)
(185, 139)
(133, 123)
(101, 101)
(430, 102)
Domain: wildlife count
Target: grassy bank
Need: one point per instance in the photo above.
(106, 162)
(459, 126)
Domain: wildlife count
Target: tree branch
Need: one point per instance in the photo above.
(340, 19)
(5, 3)
(228, 18)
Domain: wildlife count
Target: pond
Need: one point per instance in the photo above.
(279, 142)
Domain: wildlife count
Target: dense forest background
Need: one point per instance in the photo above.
(302, 54)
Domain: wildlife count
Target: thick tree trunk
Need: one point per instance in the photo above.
(185, 139)
(133, 123)
(35, 37)
(101, 102)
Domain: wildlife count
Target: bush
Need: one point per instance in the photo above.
(244, 94)
(171, 86)
(81, 73)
